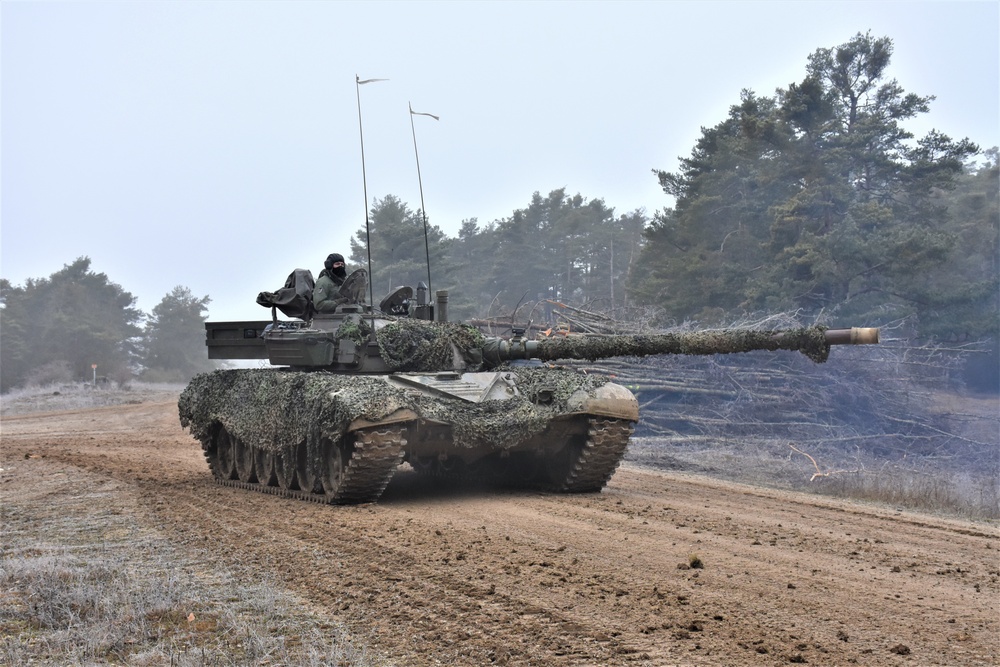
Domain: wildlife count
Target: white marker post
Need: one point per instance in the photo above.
(93, 367)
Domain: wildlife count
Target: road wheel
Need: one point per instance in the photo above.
(224, 464)
(243, 455)
(305, 472)
(335, 461)
(264, 467)
(284, 470)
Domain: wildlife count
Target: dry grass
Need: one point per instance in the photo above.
(79, 396)
(969, 496)
(84, 581)
(949, 488)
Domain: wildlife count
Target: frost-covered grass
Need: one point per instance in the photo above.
(76, 396)
(83, 582)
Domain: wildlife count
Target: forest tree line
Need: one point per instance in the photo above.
(814, 201)
(56, 328)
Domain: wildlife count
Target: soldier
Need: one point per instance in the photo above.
(326, 296)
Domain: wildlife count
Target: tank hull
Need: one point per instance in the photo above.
(339, 438)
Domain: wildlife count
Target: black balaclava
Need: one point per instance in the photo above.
(340, 271)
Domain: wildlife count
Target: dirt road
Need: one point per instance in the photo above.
(442, 576)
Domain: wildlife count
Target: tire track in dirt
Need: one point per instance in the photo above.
(338, 570)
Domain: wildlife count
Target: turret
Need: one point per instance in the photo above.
(407, 335)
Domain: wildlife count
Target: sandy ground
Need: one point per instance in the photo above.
(432, 575)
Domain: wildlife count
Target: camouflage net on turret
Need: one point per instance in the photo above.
(419, 346)
(810, 341)
(276, 409)
(357, 332)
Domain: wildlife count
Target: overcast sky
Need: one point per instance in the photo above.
(215, 145)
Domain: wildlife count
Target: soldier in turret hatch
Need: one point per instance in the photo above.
(326, 295)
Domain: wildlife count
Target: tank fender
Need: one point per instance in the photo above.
(401, 415)
(608, 400)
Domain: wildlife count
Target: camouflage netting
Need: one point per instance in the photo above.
(275, 409)
(357, 332)
(810, 341)
(419, 346)
(503, 424)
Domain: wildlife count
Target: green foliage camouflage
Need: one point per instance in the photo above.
(421, 346)
(354, 331)
(277, 409)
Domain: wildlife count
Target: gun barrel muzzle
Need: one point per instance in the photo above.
(852, 336)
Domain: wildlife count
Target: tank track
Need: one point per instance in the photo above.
(377, 453)
(586, 468)
(597, 459)
(583, 468)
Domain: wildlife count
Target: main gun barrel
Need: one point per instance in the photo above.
(852, 336)
(814, 342)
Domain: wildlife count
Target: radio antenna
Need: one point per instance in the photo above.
(364, 185)
(420, 182)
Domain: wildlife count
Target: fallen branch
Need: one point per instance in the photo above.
(820, 473)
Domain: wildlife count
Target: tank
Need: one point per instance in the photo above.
(349, 396)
